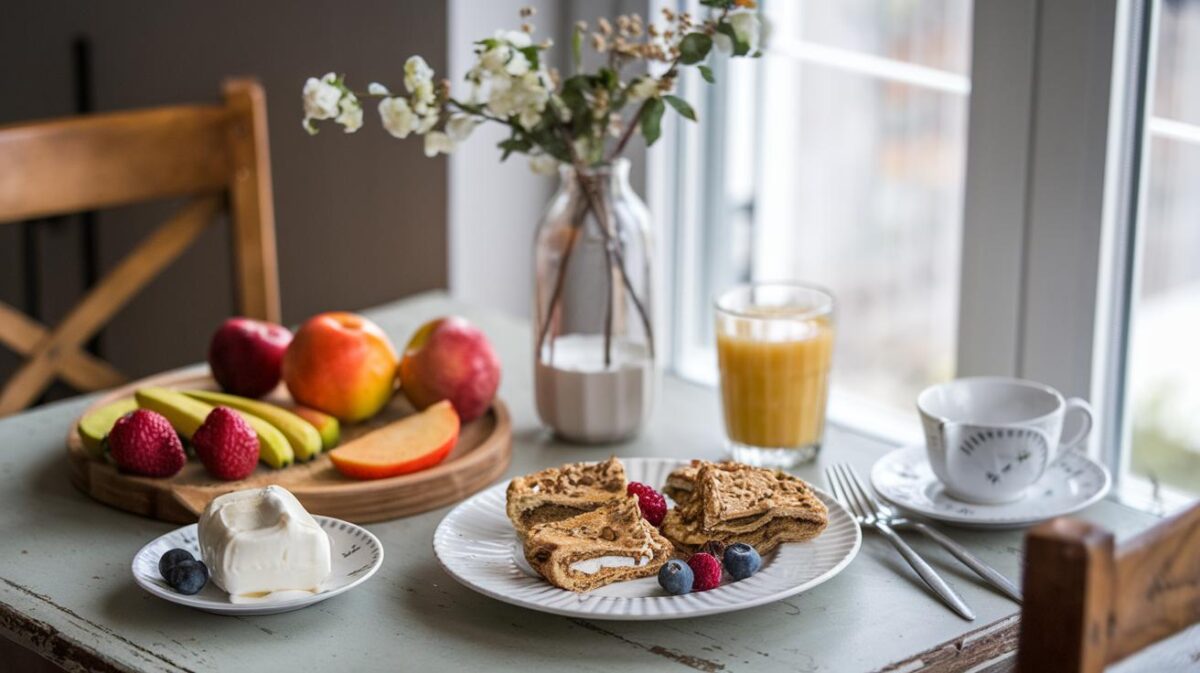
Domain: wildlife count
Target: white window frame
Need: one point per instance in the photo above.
(1052, 178)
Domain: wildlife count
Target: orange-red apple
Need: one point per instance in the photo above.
(342, 364)
(450, 359)
(410, 444)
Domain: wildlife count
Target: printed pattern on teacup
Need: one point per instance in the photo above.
(1016, 447)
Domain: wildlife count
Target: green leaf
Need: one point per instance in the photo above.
(531, 55)
(694, 47)
(718, 4)
(681, 106)
(740, 47)
(608, 78)
(487, 43)
(707, 74)
(514, 144)
(652, 120)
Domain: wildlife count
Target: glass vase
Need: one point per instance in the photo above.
(596, 374)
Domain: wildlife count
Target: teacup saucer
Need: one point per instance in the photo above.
(1073, 481)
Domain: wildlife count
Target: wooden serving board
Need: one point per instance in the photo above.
(482, 454)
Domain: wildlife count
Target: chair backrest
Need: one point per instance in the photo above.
(215, 154)
(1089, 603)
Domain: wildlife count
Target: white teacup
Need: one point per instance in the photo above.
(990, 438)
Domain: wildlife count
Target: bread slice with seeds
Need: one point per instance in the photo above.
(612, 543)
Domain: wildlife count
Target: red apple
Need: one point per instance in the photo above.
(450, 359)
(410, 444)
(246, 356)
(341, 364)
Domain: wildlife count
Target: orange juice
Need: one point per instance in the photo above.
(774, 363)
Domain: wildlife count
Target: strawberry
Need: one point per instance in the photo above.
(143, 442)
(226, 444)
(651, 502)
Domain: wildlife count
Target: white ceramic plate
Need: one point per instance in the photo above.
(477, 546)
(357, 554)
(1073, 481)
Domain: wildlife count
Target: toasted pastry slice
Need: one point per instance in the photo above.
(689, 537)
(682, 482)
(731, 502)
(610, 544)
(736, 498)
(560, 493)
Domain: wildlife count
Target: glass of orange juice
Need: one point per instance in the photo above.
(774, 347)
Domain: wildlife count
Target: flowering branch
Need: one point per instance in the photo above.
(509, 84)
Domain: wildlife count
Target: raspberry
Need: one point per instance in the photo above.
(226, 444)
(651, 502)
(707, 571)
(143, 442)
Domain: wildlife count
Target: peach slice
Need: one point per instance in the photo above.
(410, 444)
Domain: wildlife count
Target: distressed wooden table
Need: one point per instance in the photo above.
(66, 591)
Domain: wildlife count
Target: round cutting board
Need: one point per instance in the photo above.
(482, 454)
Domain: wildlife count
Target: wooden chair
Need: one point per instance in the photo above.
(215, 154)
(1089, 603)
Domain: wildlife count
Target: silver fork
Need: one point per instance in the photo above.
(842, 482)
(895, 520)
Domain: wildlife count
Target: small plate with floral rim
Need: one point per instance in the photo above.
(1072, 482)
(357, 554)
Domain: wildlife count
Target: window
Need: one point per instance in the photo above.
(1055, 237)
(839, 160)
(1163, 358)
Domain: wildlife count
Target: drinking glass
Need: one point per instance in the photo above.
(774, 347)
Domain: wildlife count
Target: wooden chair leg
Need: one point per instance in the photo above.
(1066, 619)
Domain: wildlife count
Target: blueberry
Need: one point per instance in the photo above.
(187, 577)
(171, 558)
(741, 560)
(676, 577)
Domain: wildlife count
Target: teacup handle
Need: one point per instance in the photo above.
(1085, 426)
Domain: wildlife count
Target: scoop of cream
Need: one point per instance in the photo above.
(260, 544)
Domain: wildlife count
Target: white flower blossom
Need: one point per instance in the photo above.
(460, 126)
(643, 88)
(723, 44)
(397, 117)
(437, 143)
(517, 65)
(377, 89)
(427, 122)
(416, 73)
(495, 60)
(543, 164)
(524, 97)
(351, 115)
(517, 38)
(747, 28)
(321, 97)
(423, 97)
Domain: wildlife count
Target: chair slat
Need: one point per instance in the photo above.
(104, 160)
(1157, 585)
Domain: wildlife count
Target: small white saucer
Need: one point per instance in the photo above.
(1073, 481)
(357, 554)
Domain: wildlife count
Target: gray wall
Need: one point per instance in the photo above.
(360, 219)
